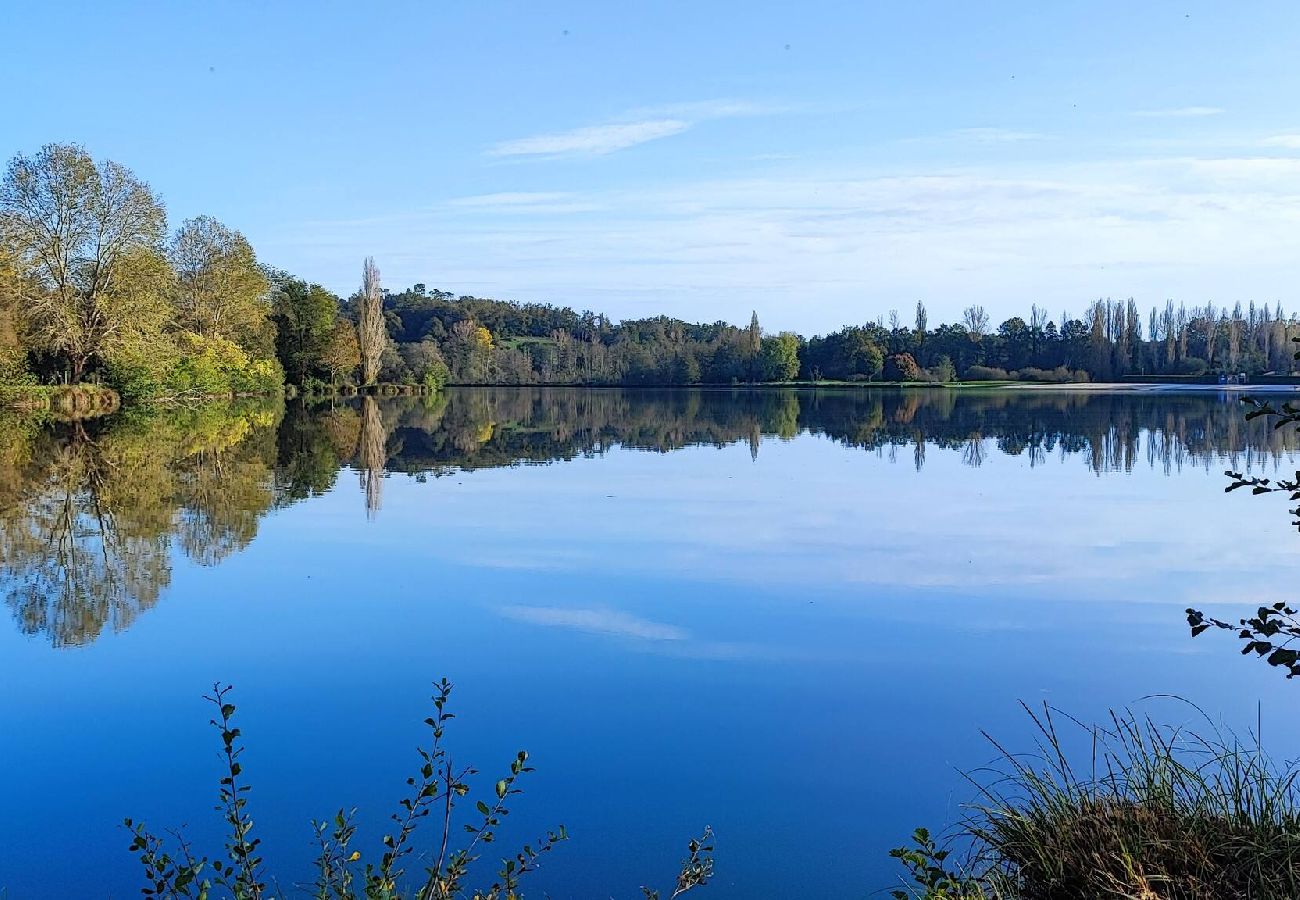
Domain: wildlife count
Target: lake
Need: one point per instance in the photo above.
(785, 614)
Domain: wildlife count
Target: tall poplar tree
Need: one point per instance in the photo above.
(372, 333)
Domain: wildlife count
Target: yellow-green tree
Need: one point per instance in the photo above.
(12, 321)
(76, 227)
(220, 292)
(342, 354)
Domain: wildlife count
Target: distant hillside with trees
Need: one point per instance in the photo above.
(95, 287)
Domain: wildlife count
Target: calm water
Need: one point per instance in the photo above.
(786, 615)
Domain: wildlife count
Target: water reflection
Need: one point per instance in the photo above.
(94, 515)
(91, 511)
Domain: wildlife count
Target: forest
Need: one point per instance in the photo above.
(94, 287)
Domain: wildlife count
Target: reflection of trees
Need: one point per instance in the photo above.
(89, 513)
(76, 562)
(372, 455)
(487, 427)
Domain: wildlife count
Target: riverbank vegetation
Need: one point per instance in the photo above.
(94, 287)
(343, 871)
(1137, 811)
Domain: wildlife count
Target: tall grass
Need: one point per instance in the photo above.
(1151, 812)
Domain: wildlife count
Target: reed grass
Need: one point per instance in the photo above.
(1152, 812)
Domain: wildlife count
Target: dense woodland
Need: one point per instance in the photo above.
(94, 287)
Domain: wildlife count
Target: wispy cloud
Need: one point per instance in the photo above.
(511, 198)
(1285, 141)
(637, 126)
(999, 135)
(594, 140)
(824, 246)
(524, 203)
(1180, 112)
(596, 621)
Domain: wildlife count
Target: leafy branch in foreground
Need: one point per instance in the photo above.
(1272, 631)
(696, 870)
(340, 873)
(1269, 633)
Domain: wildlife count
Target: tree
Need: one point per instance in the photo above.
(976, 320)
(305, 317)
(75, 226)
(220, 290)
(922, 324)
(13, 348)
(372, 331)
(341, 355)
(754, 348)
(902, 367)
(781, 357)
(944, 370)
(426, 363)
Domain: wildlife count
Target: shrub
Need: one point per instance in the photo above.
(214, 366)
(902, 367)
(943, 371)
(1191, 365)
(435, 790)
(1059, 375)
(138, 372)
(986, 373)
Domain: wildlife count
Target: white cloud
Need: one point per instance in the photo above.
(1180, 112)
(999, 135)
(637, 126)
(596, 621)
(594, 140)
(1286, 141)
(814, 250)
(523, 203)
(511, 198)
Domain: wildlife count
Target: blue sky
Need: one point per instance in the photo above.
(821, 162)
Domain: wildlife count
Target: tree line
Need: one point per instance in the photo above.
(93, 286)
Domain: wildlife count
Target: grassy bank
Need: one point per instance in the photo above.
(75, 400)
(1149, 812)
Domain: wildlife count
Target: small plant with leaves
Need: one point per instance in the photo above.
(926, 865)
(341, 874)
(697, 868)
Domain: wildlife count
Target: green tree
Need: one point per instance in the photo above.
(220, 292)
(944, 370)
(425, 363)
(75, 227)
(781, 357)
(754, 348)
(305, 316)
